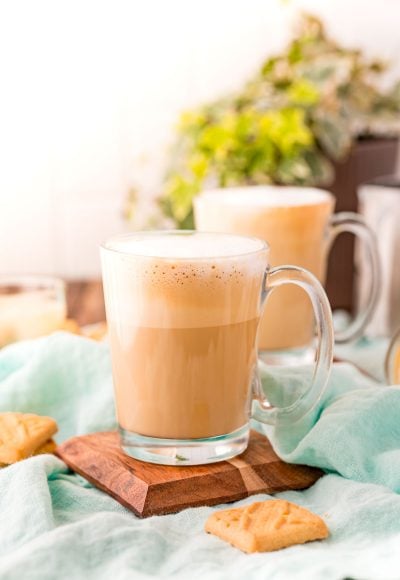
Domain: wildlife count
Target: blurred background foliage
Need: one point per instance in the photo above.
(303, 110)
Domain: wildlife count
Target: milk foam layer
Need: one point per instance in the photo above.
(267, 196)
(184, 287)
(184, 245)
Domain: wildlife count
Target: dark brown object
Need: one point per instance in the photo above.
(149, 489)
(85, 302)
(370, 158)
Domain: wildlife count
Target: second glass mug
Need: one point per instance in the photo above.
(299, 225)
(183, 310)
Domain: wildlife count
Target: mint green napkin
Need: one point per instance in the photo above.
(353, 431)
(53, 524)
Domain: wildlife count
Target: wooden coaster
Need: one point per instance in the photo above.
(150, 489)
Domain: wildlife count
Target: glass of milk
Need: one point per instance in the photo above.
(30, 306)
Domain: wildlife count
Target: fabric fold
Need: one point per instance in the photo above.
(53, 523)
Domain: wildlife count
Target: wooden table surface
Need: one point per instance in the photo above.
(85, 301)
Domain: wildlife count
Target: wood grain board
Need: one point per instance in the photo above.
(149, 489)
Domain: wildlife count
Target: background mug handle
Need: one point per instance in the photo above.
(263, 410)
(353, 223)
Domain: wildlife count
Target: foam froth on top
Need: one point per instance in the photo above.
(267, 196)
(185, 245)
(183, 280)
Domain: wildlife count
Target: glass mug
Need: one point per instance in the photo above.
(300, 227)
(183, 310)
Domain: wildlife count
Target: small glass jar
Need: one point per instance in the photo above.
(30, 306)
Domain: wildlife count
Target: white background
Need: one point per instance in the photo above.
(90, 92)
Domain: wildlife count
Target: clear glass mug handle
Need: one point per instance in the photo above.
(353, 223)
(263, 411)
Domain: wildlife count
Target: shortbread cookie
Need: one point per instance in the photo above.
(21, 434)
(49, 447)
(266, 526)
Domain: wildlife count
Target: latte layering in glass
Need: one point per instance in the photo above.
(183, 310)
(300, 227)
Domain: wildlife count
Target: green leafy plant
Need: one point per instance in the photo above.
(303, 110)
